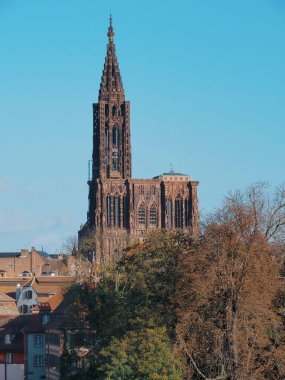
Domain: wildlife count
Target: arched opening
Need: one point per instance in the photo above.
(186, 212)
(114, 111)
(117, 211)
(169, 212)
(153, 216)
(107, 146)
(109, 220)
(125, 212)
(141, 216)
(106, 110)
(178, 213)
(115, 136)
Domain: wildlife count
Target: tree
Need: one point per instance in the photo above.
(218, 297)
(140, 354)
(228, 327)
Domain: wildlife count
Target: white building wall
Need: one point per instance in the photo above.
(13, 372)
(28, 302)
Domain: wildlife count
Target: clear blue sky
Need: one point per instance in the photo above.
(206, 81)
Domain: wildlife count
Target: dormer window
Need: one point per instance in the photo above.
(45, 319)
(8, 338)
(28, 294)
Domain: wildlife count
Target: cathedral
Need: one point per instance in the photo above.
(123, 209)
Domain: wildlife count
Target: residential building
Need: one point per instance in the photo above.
(39, 290)
(32, 263)
(12, 347)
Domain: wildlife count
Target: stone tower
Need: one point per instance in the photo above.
(122, 209)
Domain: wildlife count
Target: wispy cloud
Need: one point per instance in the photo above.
(20, 191)
(20, 221)
(52, 242)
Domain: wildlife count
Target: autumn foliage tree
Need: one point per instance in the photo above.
(218, 297)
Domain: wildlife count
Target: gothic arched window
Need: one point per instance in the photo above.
(125, 212)
(115, 160)
(115, 136)
(153, 216)
(169, 212)
(117, 211)
(107, 145)
(108, 201)
(178, 213)
(186, 212)
(106, 110)
(115, 111)
(142, 219)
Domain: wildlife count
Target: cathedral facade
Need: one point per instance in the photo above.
(123, 209)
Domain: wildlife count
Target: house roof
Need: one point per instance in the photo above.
(8, 305)
(5, 298)
(49, 304)
(34, 324)
(8, 284)
(4, 255)
(13, 325)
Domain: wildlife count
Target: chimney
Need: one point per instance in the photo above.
(18, 291)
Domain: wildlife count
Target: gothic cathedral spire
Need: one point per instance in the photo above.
(111, 121)
(123, 209)
(111, 87)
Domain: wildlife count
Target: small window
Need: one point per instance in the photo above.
(28, 294)
(9, 358)
(38, 360)
(8, 338)
(25, 309)
(115, 160)
(38, 340)
(45, 319)
(26, 274)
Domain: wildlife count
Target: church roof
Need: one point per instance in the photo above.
(170, 174)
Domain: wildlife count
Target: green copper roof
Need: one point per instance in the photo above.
(171, 174)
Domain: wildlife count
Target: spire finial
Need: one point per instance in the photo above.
(171, 168)
(110, 30)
